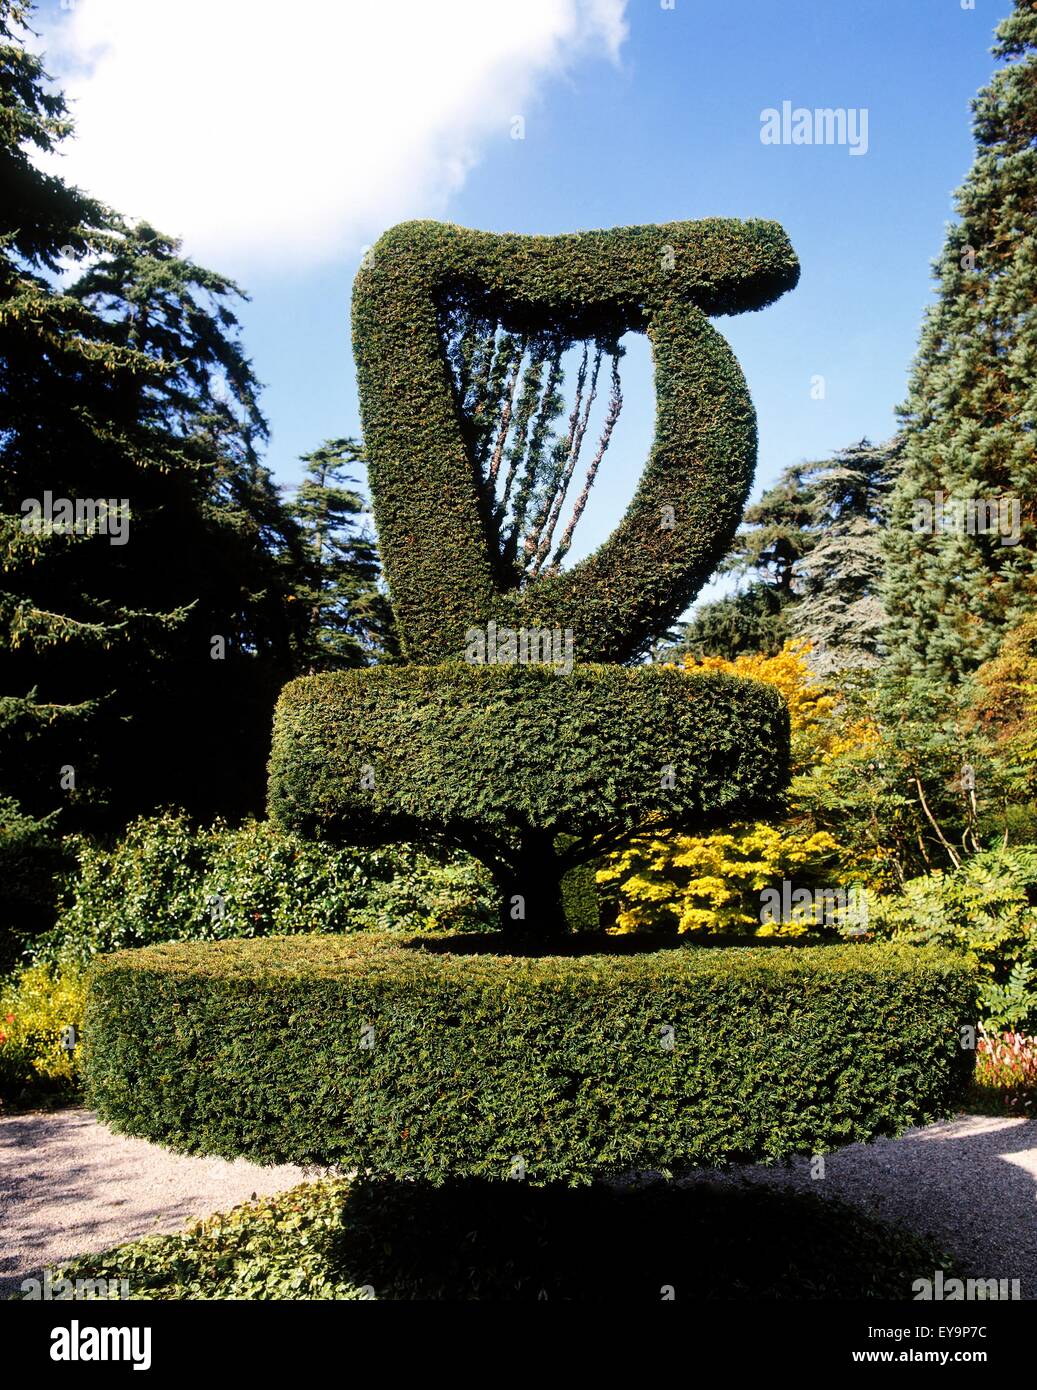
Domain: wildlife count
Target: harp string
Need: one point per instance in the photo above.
(525, 439)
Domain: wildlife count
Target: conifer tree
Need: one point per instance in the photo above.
(811, 549)
(955, 585)
(350, 615)
(140, 649)
(745, 623)
(59, 364)
(838, 580)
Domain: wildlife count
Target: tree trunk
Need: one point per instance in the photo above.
(536, 897)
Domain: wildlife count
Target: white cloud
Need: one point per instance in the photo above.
(266, 133)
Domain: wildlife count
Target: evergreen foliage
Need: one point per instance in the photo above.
(970, 419)
(443, 557)
(350, 617)
(147, 559)
(811, 548)
(503, 760)
(442, 1059)
(838, 606)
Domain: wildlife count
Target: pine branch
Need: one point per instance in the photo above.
(563, 486)
(615, 406)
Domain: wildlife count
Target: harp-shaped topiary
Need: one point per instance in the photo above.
(562, 1058)
(536, 771)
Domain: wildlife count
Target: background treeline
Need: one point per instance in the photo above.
(906, 644)
(139, 675)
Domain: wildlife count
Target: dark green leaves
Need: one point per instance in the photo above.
(453, 1059)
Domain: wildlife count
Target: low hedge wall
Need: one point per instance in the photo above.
(435, 1060)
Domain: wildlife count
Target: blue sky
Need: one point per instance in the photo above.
(633, 113)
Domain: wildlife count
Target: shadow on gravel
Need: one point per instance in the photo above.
(508, 1241)
(968, 1184)
(954, 1196)
(957, 1197)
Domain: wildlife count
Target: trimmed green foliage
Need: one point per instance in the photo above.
(486, 750)
(533, 772)
(517, 1243)
(536, 775)
(433, 524)
(451, 1059)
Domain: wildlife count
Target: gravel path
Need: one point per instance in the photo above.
(969, 1183)
(68, 1186)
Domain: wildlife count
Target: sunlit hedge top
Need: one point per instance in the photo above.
(662, 280)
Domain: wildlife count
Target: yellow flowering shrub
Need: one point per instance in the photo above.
(712, 883)
(37, 1003)
(811, 704)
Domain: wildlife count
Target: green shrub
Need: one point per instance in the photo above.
(31, 861)
(484, 750)
(661, 280)
(37, 1004)
(167, 881)
(436, 1059)
(988, 910)
(279, 1247)
(508, 760)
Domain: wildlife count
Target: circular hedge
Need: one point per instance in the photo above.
(661, 280)
(487, 750)
(426, 1059)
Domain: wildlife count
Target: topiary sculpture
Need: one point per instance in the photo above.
(534, 772)
(566, 1056)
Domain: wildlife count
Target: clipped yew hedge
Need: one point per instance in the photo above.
(661, 280)
(414, 1059)
(483, 751)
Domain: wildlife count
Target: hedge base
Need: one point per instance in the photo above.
(431, 1059)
